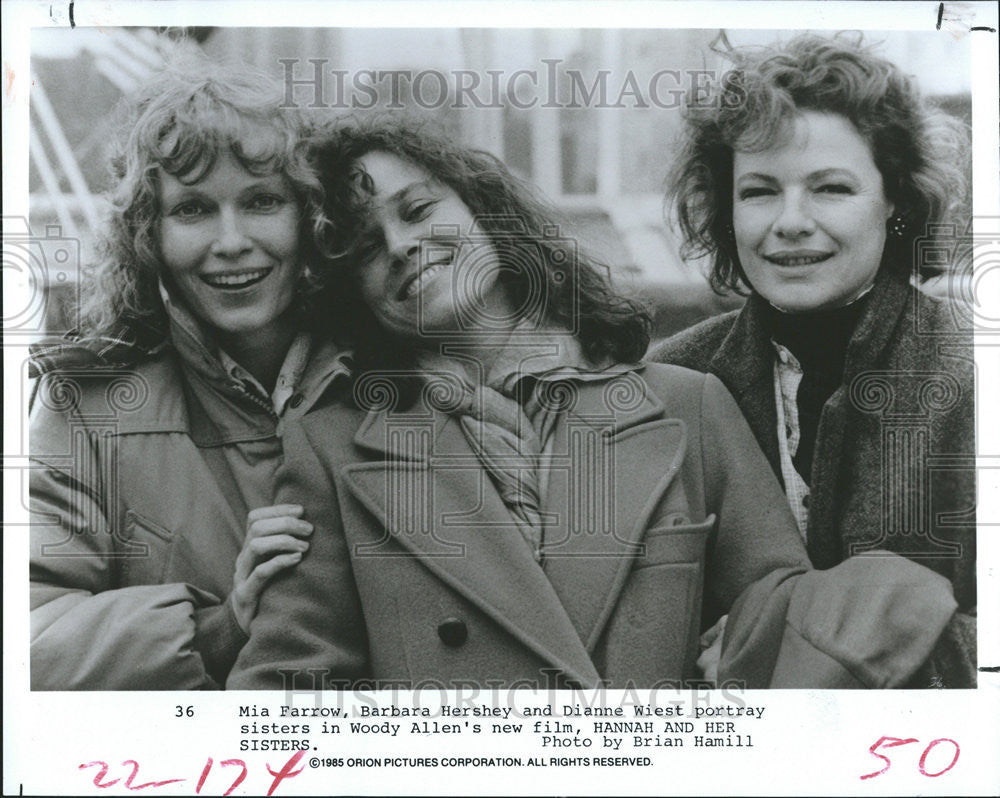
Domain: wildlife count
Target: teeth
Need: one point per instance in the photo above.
(805, 261)
(236, 280)
(417, 285)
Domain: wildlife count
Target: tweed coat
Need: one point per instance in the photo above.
(657, 496)
(894, 461)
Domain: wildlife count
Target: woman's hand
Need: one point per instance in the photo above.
(711, 650)
(275, 541)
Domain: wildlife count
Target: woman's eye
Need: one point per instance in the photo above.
(835, 188)
(366, 247)
(755, 191)
(266, 203)
(189, 210)
(418, 211)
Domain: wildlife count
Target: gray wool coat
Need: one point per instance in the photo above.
(894, 463)
(413, 577)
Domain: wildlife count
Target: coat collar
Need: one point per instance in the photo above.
(450, 524)
(744, 360)
(886, 303)
(745, 357)
(623, 397)
(228, 409)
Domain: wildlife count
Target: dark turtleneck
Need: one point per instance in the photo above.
(819, 340)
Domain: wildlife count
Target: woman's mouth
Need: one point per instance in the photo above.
(416, 283)
(234, 281)
(798, 257)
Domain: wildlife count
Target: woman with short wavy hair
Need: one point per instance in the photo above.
(817, 178)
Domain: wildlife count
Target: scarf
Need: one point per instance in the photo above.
(819, 340)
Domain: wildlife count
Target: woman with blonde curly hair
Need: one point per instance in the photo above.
(817, 178)
(154, 431)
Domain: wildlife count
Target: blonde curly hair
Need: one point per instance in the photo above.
(179, 124)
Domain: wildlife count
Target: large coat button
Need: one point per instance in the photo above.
(453, 632)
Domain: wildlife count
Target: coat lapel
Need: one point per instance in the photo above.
(744, 364)
(613, 458)
(885, 307)
(436, 501)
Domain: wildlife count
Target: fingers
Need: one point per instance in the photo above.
(265, 548)
(275, 540)
(713, 634)
(268, 569)
(273, 511)
(259, 549)
(278, 526)
(711, 645)
(246, 593)
(708, 663)
(281, 519)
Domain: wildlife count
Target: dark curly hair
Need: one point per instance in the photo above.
(179, 124)
(920, 151)
(575, 290)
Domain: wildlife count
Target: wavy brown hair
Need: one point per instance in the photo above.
(545, 273)
(921, 152)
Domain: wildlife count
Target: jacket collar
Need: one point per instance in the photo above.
(427, 455)
(198, 351)
(744, 361)
(884, 308)
(190, 391)
(625, 399)
(530, 350)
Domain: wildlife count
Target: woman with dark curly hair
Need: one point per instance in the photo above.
(512, 498)
(154, 431)
(817, 177)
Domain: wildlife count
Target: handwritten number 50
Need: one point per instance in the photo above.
(893, 742)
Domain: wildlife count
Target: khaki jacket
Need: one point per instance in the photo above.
(141, 483)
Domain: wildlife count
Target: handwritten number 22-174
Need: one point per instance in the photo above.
(286, 772)
(893, 742)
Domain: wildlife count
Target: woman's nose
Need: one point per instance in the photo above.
(794, 219)
(231, 239)
(402, 242)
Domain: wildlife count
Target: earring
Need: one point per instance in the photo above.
(896, 226)
(729, 230)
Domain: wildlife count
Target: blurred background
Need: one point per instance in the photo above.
(600, 151)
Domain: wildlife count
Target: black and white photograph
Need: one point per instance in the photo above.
(398, 403)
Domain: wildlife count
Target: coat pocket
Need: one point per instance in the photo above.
(147, 551)
(675, 543)
(652, 637)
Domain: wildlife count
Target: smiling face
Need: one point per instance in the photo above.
(229, 245)
(809, 215)
(426, 264)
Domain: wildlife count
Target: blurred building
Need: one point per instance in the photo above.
(589, 116)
